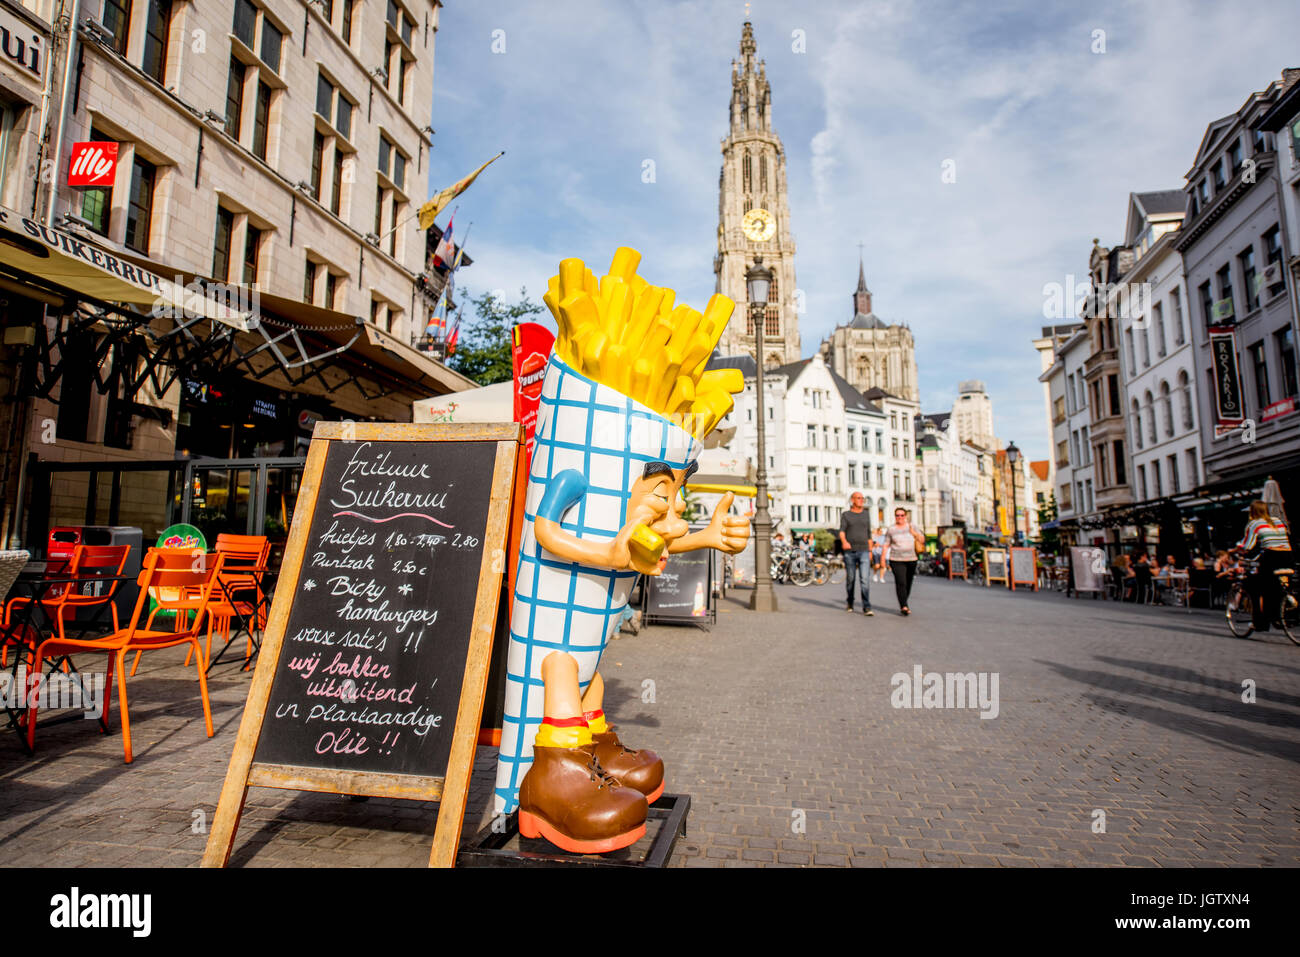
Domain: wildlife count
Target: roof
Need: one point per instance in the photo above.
(875, 393)
(790, 370)
(744, 363)
(1162, 201)
(867, 321)
(939, 420)
(1042, 469)
(927, 442)
(854, 401)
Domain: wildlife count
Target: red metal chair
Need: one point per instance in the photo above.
(189, 574)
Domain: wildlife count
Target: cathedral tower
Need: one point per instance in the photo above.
(872, 353)
(754, 214)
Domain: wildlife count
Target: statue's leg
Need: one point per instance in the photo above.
(565, 797)
(634, 768)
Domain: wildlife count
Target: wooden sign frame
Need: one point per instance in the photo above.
(450, 791)
(1011, 567)
(965, 566)
(989, 577)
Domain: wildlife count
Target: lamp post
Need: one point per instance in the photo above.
(758, 279)
(925, 518)
(1013, 458)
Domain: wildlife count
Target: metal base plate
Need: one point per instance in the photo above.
(504, 847)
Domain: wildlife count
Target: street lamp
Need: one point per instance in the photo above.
(758, 279)
(1013, 457)
(924, 516)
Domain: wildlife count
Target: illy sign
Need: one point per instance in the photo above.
(92, 164)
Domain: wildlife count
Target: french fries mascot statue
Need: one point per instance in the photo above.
(625, 403)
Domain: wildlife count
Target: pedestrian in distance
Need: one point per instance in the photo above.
(878, 554)
(903, 541)
(855, 539)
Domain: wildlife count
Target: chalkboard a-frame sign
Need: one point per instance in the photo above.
(375, 659)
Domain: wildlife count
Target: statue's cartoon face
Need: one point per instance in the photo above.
(657, 502)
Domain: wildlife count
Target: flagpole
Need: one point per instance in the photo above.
(455, 264)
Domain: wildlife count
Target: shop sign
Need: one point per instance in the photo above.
(266, 407)
(22, 45)
(1227, 381)
(92, 164)
(1277, 409)
(307, 420)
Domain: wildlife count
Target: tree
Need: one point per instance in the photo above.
(483, 346)
(1049, 538)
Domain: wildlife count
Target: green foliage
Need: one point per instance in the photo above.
(823, 541)
(1049, 538)
(483, 345)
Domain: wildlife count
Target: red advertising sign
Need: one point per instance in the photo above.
(532, 344)
(1277, 409)
(92, 164)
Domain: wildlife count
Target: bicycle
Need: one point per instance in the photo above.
(1240, 605)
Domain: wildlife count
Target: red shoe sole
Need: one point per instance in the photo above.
(530, 825)
(656, 794)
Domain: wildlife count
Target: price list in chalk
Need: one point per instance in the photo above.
(375, 646)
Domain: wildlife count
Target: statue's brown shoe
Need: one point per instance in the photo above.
(642, 770)
(569, 799)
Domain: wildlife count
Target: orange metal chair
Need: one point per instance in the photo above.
(193, 575)
(61, 602)
(241, 552)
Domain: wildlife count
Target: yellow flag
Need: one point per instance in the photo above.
(430, 210)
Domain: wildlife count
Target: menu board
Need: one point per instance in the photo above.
(995, 566)
(374, 650)
(956, 563)
(374, 663)
(683, 591)
(1024, 568)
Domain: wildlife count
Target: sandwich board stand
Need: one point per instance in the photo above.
(1024, 568)
(375, 660)
(956, 563)
(683, 592)
(995, 566)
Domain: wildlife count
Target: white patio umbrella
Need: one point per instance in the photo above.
(1272, 497)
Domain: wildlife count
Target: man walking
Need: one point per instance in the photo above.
(855, 537)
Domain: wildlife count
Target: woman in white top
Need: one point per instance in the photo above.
(902, 542)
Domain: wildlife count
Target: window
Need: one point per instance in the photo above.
(880, 442)
(1167, 408)
(1273, 255)
(317, 161)
(1146, 348)
(897, 488)
(880, 476)
(324, 96)
(331, 290)
(252, 244)
(1175, 486)
(116, 19)
(379, 211)
(235, 97)
(812, 436)
(1121, 477)
(893, 448)
(1192, 477)
(796, 512)
(907, 449)
(97, 203)
(812, 480)
(1158, 326)
(139, 207)
(1142, 483)
(1151, 422)
(1112, 385)
(1207, 302)
(157, 25)
(1248, 276)
(1217, 172)
(1286, 355)
(309, 283)
(853, 473)
(1224, 305)
(1185, 391)
(347, 21)
(336, 195)
(221, 245)
(1137, 424)
(272, 41)
(853, 439)
(1176, 310)
(893, 420)
(343, 117)
(1260, 364)
(1128, 345)
(814, 513)
(1203, 187)
(826, 436)
(1234, 156)
(245, 22)
(261, 120)
(1103, 461)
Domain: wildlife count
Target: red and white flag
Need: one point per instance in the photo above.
(446, 249)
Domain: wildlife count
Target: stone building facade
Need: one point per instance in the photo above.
(871, 353)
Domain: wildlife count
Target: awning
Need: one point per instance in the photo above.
(489, 403)
(78, 268)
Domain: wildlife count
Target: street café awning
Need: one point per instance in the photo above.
(79, 268)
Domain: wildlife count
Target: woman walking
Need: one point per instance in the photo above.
(902, 542)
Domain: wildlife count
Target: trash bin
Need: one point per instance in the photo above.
(64, 540)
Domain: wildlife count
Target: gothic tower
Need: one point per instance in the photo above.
(872, 353)
(752, 181)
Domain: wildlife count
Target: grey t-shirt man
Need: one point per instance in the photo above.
(856, 527)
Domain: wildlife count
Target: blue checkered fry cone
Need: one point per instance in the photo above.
(561, 605)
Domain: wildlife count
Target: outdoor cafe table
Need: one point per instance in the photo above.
(24, 623)
(1175, 583)
(247, 622)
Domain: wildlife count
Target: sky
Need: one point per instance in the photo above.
(1047, 123)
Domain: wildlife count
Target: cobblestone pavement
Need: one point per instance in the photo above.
(782, 730)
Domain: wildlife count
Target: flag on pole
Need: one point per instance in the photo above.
(446, 248)
(430, 210)
(451, 339)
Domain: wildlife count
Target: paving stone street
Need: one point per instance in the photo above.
(782, 728)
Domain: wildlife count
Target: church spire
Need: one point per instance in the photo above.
(861, 295)
(751, 93)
